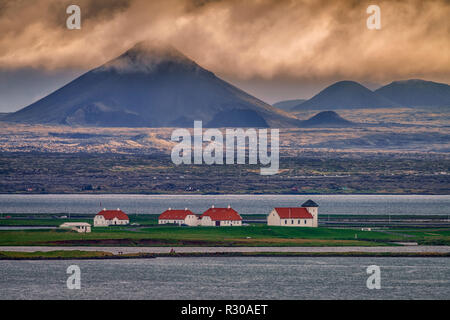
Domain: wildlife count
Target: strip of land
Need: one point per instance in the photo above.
(256, 235)
(420, 250)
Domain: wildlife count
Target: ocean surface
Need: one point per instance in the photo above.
(228, 278)
(244, 204)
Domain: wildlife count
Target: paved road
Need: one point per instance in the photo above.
(116, 250)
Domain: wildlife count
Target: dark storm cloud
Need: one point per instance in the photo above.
(264, 39)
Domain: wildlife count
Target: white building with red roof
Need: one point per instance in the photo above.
(221, 217)
(179, 217)
(110, 217)
(80, 227)
(304, 216)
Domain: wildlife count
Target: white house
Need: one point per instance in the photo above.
(110, 217)
(179, 217)
(304, 216)
(80, 227)
(221, 217)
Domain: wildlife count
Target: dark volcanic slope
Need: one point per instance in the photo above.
(327, 119)
(151, 86)
(345, 95)
(416, 93)
(287, 105)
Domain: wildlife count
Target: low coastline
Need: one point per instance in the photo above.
(205, 255)
(69, 254)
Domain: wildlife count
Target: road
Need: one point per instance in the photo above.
(125, 250)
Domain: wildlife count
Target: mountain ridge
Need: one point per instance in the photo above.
(417, 93)
(344, 95)
(404, 93)
(149, 85)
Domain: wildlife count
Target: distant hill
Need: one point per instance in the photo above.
(151, 85)
(327, 119)
(345, 95)
(417, 93)
(3, 114)
(287, 105)
(421, 141)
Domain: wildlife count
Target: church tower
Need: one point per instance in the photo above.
(312, 208)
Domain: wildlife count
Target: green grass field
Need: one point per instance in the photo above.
(253, 235)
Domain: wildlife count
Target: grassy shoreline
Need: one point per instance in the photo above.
(248, 236)
(100, 255)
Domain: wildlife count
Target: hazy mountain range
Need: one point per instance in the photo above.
(417, 93)
(345, 95)
(352, 95)
(155, 85)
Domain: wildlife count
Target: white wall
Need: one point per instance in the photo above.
(207, 222)
(170, 221)
(296, 222)
(273, 219)
(190, 220)
(230, 223)
(100, 221)
(315, 213)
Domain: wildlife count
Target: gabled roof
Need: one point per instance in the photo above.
(221, 214)
(310, 204)
(111, 214)
(175, 214)
(293, 213)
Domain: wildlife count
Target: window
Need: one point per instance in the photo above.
(298, 222)
(292, 221)
(305, 221)
(285, 221)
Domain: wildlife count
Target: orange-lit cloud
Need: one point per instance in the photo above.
(305, 40)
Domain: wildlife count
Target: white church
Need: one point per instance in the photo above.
(305, 216)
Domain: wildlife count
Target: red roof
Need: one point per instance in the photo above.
(175, 214)
(111, 214)
(221, 214)
(293, 213)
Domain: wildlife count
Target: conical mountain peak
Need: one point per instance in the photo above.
(155, 49)
(152, 85)
(146, 56)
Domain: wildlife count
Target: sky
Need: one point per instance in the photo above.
(273, 49)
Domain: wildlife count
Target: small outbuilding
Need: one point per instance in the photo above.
(111, 217)
(221, 217)
(304, 216)
(186, 217)
(80, 227)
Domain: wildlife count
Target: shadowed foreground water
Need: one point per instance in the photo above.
(228, 278)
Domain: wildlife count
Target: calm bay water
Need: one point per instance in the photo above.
(244, 204)
(228, 278)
